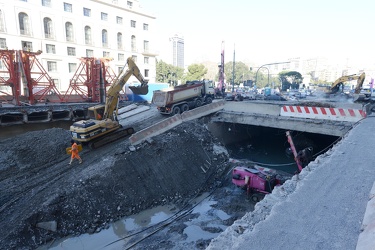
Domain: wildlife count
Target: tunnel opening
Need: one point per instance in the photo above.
(269, 147)
(38, 117)
(11, 118)
(79, 114)
(60, 115)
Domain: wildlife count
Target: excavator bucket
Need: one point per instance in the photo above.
(139, 90)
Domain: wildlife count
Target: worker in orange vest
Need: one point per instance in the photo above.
(74, 152)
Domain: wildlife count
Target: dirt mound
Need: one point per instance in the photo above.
(114, 181)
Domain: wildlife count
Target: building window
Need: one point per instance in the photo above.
(46, 3)
(72, 67)
(145, 46)
(89, 53)
(86, 12)
(71, 51)
(145, 26)
(27, 46)
(69, 32)
(119, 40)
(3, 43)
(130, 4)
(146, 72)
(24, 23)
(133, 44)
(134, 58)
(119, 20)
(104, 38)
(121, 57)
(52, 66)
(2, 24)
(88, 40)
(50, 48)
(146, 60)
(106, 54)
(132, 23)
(68, 7)
(48, 29)
(57, 83)
(104, 16)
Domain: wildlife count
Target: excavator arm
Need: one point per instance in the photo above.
(360, 81)
(340, 81)
(114, 90)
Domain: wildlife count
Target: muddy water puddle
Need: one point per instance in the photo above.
(175, 228)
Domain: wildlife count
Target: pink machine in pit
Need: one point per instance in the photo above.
(259, 181)
(256, 180)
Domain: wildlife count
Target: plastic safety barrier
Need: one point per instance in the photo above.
(334, 114)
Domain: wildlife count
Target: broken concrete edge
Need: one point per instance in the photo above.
(202, 111)
(173, 121)
(48, 225)
(155, 129)
(137, 110)
(366, 239)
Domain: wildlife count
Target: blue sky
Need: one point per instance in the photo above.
(267, 31)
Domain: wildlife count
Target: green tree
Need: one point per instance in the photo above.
(168, 73)
(242, 73)
(195, 72)
(290, 79)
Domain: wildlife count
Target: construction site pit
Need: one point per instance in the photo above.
(173, 191)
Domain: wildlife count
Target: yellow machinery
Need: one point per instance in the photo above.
(103, 126)
(340, 81)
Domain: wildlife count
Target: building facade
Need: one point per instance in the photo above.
(66, 30)
(178, 51)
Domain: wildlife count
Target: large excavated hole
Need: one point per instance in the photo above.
(268, 146)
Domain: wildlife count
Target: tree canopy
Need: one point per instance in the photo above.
(195, 72)
(290, 79)
(168, 73)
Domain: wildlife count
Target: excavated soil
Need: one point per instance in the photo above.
(38, 185)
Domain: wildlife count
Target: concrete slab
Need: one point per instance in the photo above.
(366, 239)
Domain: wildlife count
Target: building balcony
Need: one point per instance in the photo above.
(148, 52)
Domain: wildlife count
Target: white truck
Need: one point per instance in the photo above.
(178, 99)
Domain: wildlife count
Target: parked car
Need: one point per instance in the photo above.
(234, 97)
(275, 98)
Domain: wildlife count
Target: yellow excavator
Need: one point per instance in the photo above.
(340, 82)
(103, 126)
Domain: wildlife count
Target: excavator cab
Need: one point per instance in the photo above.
(96, 112)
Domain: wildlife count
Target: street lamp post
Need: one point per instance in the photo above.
(263, 66)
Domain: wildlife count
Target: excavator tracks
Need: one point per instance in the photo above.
(114, 136)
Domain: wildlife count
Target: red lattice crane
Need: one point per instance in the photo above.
(10, 88)
(40, 86)
(90, 80)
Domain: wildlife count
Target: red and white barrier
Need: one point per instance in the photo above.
(335, 114)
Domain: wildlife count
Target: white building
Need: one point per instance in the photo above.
(66, 30)
(178, 51)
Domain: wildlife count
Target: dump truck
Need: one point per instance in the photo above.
(181, 98)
